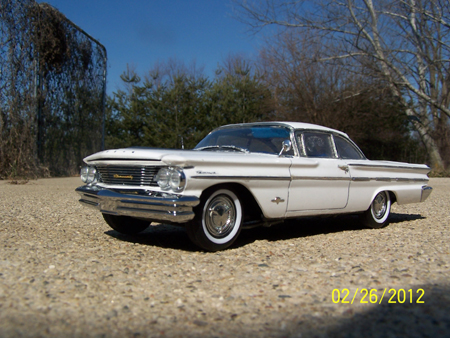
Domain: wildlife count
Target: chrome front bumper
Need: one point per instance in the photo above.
(175, 209)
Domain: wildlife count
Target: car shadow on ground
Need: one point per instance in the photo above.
(313, 226)
(160, 235)
(175, 237)
(421, 311)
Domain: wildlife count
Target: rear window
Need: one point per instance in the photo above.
(347, 150)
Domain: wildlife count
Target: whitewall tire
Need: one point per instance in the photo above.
(218, 220)
(378, 213)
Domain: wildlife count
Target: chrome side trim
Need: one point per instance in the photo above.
(383, 179)
(176, 209)
(378, 166)
(259, 178)
(268, 178)
(389, 179)
(107, 159)
(313, 178)
(321, 178)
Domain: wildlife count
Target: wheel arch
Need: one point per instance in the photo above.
(390, 191)
(251, 209)
(377, 215)
(392, 195)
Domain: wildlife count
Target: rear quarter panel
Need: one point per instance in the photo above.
(368, 178)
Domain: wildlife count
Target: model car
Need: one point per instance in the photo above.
(246, 175)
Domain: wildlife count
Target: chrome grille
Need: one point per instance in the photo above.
(133, 176)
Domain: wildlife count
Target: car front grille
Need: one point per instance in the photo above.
(131, 176)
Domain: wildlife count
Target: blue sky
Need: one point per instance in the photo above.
(144, 32)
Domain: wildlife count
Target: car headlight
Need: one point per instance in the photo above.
(171, 179)
(88, 174)
(177, 180)
(84, 174)
(163, 178)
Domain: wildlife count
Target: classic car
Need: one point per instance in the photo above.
(245, 175)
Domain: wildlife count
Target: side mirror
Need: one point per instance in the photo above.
(285, 147)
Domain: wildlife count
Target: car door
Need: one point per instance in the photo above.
(319, 179)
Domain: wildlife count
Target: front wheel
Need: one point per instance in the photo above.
(126, 225)
(217, 222)
(378, 213)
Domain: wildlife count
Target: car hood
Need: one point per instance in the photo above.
(183, 158)
(175, 157)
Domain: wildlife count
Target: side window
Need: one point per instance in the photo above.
(347, 150)
(319, 145)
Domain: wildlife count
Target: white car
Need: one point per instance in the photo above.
(245, 175)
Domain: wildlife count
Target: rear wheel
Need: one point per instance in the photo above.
(378, 213)
(126, 225)
(218, 220)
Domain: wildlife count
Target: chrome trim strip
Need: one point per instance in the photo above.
(411, 179)
(264, 178)
(360, 179)
(112, 159)
(383, 179)
(312, 178)
(177, 209)
(268, 178)
(387, 166)
(389, 179)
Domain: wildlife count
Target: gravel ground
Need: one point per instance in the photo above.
(63, 272)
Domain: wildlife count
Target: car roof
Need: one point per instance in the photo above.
(292, 125)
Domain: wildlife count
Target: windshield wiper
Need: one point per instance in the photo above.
(223, 147)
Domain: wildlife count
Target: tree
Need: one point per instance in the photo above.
(238, 94)
(405, 44)
(176, 106)
(321, 93)
(166, 109)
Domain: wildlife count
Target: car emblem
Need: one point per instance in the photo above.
(278, 200)
(123, 176)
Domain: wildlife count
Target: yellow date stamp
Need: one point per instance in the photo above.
(376, 296)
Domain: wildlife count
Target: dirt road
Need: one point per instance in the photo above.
(63, 272)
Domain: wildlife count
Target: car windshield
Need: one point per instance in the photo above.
(259, 139)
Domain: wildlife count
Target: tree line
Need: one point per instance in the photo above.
(377, 70)
(399, 47)
(175, 106)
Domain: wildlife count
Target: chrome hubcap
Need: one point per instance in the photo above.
(220, 216)
(379, 205)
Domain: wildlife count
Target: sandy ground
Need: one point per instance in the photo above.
(64, 272)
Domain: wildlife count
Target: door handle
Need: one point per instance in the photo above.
(343, 167)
